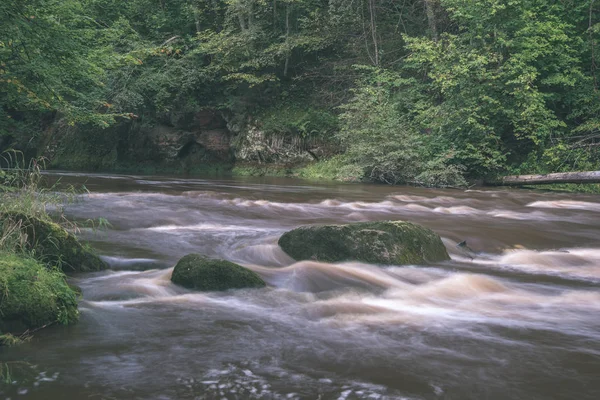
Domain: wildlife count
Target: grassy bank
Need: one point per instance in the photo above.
(591, 188)
(221, 169)
(33, 295)
(35, 253)
(325, 170)
(334, 169)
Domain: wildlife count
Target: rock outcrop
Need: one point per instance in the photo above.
(196, 145)
(386, 242)
(198, 272)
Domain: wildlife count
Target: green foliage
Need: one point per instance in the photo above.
(27, 228)
(439, 173)
(296, 120)
(495, 84)
(379, 145)
(329, 169)
(46, 63)
(22, 181)
(33, 289)
(263, 170)
(9, 340)
(50, 243)
(382, 145)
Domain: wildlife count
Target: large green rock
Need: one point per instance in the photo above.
(195, 271)
(32, 295)
(386, 242)
(52, 244)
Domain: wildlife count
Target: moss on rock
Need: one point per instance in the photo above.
(53, 245)
(32, 296)
(195, 271)
(386, 242)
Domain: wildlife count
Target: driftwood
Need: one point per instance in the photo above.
(561, 177)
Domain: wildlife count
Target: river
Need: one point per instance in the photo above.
(517, 318)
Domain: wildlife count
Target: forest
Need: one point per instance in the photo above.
(433, 92)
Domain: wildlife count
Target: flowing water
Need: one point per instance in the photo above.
(518, 317)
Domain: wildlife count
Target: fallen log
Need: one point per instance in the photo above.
(560, 177)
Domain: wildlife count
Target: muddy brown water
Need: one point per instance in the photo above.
(517, 319)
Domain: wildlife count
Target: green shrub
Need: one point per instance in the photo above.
(298, 120)
(333, 168)
(438, 173)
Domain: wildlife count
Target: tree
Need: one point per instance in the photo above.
(494, 84)
(45, 62)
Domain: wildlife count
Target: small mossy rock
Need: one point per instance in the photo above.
(32, 296)
(53, 245)
(385, 242)
(195, 271)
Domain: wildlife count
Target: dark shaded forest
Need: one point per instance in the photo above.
(435, 92)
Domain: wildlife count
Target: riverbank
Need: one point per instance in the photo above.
(328, 170)
(36, 253)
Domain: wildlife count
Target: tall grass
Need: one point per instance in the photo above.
(23, 184)
(25, 196)
(25, 191)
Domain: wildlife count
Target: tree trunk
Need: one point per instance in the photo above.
(251, 16)
(287, 36)
(242, 22)
(562, 177)
(374, 31)
(593, 44)
(431, 18)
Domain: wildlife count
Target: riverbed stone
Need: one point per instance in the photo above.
(383, 242)
(198, 272)
(52, 244)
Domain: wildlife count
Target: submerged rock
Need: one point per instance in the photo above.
(32, 296)
(195, 271)
(385, 242)
(52, 244)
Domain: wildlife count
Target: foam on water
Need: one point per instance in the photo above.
(253, 381)
(207, 227)
(580, 263)
(314, 276)
(566, 204)
(458, 210)
(136, 264)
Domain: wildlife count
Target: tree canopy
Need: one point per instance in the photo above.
(428, 91)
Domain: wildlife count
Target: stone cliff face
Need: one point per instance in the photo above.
(254, 146)
(133, 145)
(208, 141)
(251, 145)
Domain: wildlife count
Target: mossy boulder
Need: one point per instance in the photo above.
(31, 295)
(386, 242)
(195, 271)
(53, 245)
